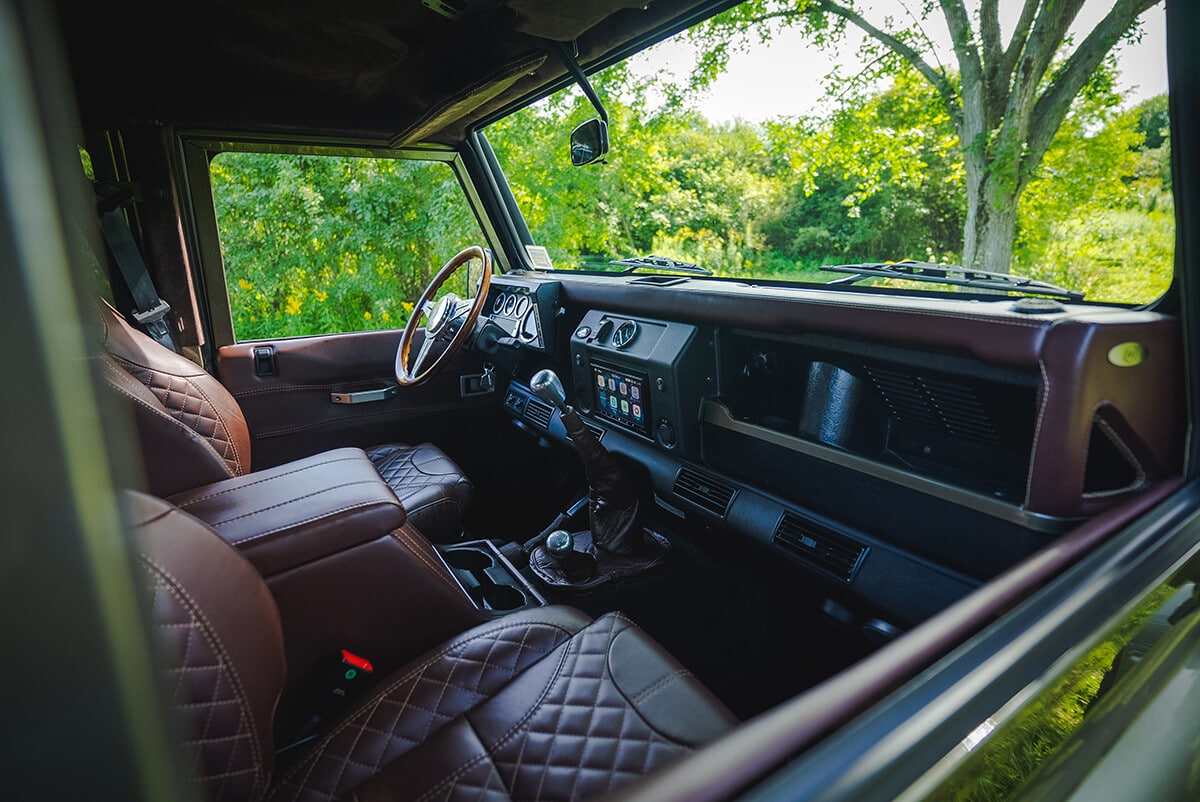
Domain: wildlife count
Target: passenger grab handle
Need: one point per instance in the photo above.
(366, 396)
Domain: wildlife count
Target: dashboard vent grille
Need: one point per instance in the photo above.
(538, 412)
(937, 404)
(704, 491)
(659, 280)
(830, 553)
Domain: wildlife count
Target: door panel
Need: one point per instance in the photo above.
(290, 412)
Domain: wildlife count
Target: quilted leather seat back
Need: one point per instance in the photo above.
(192, 429)
(221, 644)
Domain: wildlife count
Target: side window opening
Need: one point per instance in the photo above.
(331, 244)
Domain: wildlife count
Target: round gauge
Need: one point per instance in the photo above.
(625, 334)
(498, 304)
(510, 304)
(522, 305)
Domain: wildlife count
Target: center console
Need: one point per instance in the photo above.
(642, 376)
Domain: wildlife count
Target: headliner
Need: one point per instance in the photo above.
(393, 71)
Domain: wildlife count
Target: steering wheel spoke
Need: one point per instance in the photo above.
(450, 319)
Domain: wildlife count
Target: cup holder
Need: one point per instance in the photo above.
(501, 597)
(488, 578)
(469, 559)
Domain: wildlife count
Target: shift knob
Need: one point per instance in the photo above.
(546, 386)
(560, 543)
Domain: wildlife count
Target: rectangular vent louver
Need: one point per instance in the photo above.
(830, 553)
(704, 491)
(538, 412)
(937, 404)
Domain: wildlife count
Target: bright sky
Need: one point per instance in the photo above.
(785, 77)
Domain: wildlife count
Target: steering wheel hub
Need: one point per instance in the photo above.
(450, 320)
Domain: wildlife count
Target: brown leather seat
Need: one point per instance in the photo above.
(543, 704)
(193, 432)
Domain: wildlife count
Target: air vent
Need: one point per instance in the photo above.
(659, 281)
(704, 491)
(538, 412)
(936, 404)
(830, 553)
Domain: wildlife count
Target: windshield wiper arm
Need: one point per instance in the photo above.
(950, 274)
(636, 263)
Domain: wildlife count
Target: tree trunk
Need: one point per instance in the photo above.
(991, 224)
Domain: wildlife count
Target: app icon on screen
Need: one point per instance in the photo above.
(599, 380)
(624, 406)
(612, 384)
(635, 392)
(637, 410)
(612, 401)
(624, 388)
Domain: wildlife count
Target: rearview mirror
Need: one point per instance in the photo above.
(589, 142)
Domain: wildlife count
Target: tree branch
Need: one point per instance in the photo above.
(1049, 30)
(995, 83)
(1052, 107)
(1016, 45)
(970, 68)
(989, 31)
(939, 80)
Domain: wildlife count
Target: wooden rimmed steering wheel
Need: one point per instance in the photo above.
(448, 321)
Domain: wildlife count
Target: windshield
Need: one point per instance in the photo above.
(768, 142)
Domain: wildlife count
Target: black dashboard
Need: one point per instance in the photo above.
(896, 474)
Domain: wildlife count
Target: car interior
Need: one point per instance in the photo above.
(569, 530)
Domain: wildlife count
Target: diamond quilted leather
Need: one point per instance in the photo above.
(223, 758)
(428, 483)
(584, 737)
(560, 730)
(417, 703)
(188, 404)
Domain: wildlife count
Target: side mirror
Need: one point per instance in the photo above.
(589, 142)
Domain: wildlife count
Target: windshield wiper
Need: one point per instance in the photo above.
(950, 274)
(636, 263)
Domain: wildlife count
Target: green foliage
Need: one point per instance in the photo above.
(319, 244)
(1099, 216)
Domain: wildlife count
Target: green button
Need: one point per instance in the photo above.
(351, 673)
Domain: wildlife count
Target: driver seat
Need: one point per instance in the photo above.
(192, 432)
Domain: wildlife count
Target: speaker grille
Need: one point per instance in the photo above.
(936, 404)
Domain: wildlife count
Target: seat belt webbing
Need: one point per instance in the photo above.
(150, 310)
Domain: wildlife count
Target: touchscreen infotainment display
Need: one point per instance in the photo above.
(620, 396)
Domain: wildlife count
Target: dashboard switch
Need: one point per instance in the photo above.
(666, 432)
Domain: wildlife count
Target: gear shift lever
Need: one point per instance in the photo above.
(613, 507)
(547, 386)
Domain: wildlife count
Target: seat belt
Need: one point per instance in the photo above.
(150, 311)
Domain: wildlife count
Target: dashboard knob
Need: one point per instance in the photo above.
(666, 432)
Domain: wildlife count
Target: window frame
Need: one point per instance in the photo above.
(195, 151)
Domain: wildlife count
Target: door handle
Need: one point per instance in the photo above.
(366, 396)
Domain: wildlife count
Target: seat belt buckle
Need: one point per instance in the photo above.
(153, 315)
(349, 677)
